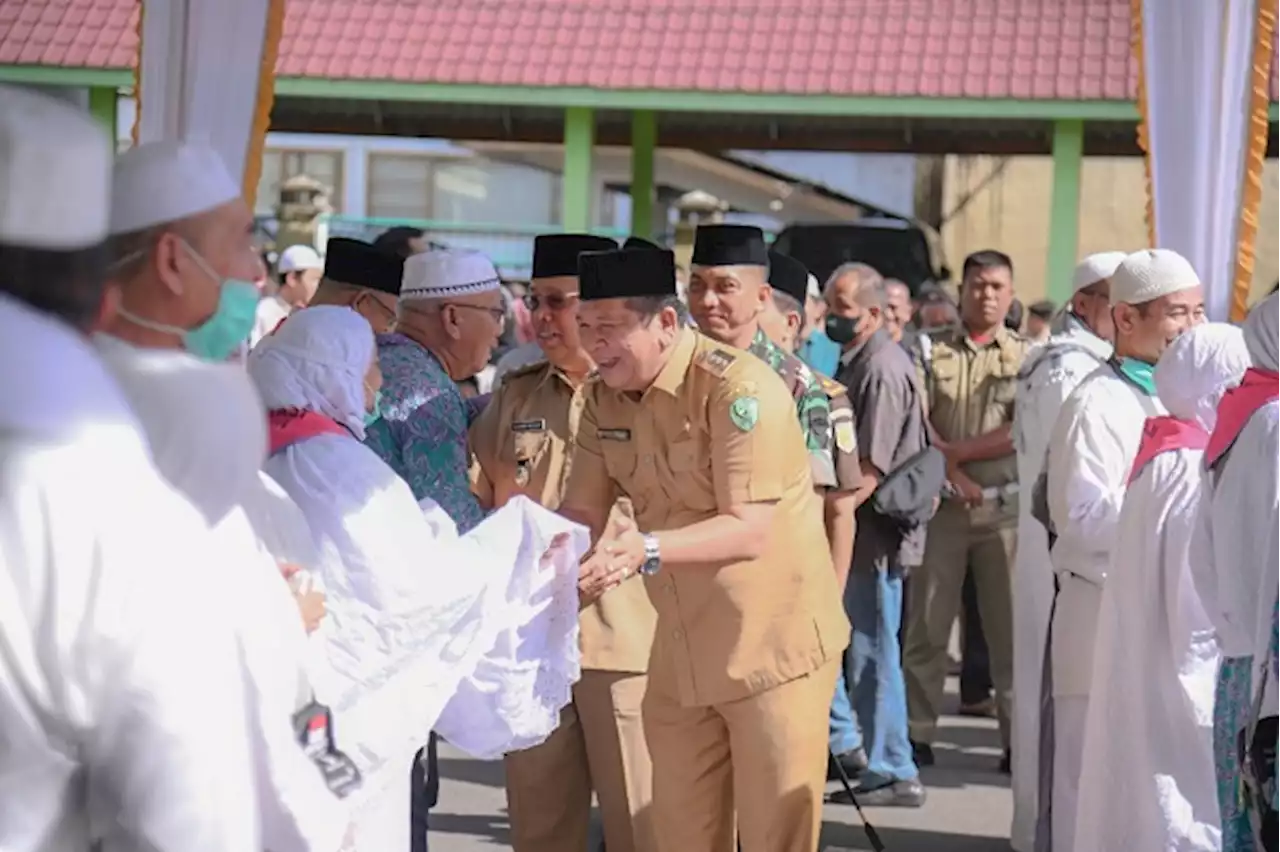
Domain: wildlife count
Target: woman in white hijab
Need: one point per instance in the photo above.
(1235, 551)
(1147, 779)
(415, 613)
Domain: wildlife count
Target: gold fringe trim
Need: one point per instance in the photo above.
(1255, 159)
(137, 79)
(265, 99)
(1137, 40)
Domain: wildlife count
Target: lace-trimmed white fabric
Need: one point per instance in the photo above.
(419, 617)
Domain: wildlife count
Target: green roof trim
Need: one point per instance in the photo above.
(634, 99)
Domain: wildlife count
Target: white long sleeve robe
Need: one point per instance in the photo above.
(1147, 780)
(207, 432)
(470, 636)
(122, 703)
(1091, 451)
(1048, 376)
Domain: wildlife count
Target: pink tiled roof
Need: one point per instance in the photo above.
(1032, 49)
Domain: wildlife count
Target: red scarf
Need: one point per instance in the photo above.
(289, 426)
(1256, 389)
(1163, 435)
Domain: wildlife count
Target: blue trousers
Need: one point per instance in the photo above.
(869, 708)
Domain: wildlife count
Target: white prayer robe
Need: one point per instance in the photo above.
(207, 432)
(122, 705)
(468, 636)
(1090, 453)
(1237, 545)
(1147, 780)
(1048, 376)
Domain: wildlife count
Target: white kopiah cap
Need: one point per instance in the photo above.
(447, 272)
(1095, 268)
(159, 182)
(55, 173)
(1149, 274)
(297, 258)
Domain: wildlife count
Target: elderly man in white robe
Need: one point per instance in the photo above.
(1235, 552)
(1147, 779)
(182, 265)
(114, 691)
(417, 610)
(1155, 296)
(1081, 342)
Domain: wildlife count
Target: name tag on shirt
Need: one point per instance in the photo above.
(614, 434)
(529, 426)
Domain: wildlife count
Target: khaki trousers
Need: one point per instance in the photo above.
(765, 755)
(599, 745)
(981, 540)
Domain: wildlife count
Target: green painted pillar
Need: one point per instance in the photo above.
(576, 191)
(644, 141)
(102, 104)
(1064, 209)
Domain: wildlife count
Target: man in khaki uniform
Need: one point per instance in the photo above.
(524, 443)
(969, 383)
(728, 534)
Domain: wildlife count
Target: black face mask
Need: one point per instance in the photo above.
(842, 330)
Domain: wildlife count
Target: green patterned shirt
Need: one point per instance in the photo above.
(813, 406)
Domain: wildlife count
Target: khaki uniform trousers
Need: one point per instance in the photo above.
(765, 754)
(982, 540)
(599, 745)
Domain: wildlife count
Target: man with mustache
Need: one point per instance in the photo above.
(969, 382)
(1155, 296)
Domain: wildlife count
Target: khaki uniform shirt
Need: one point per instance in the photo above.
(844, 449)
(717, 429)
(970, 389)
(524, 444)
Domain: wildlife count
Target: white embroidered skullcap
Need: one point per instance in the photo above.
(1148, 274)
(55, 173)
(443, 273)
(297, 258)
(1095, 268)
(164, 181)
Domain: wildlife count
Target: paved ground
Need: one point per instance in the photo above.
(969, 805)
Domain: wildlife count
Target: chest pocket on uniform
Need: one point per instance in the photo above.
(527, 447)
(1004, 382)
(618, 448)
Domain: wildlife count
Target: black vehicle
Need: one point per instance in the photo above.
(896, 247)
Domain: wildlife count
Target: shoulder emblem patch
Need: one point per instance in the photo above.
(832, 388)
(716, 361)
(846, 438)
(744, 412)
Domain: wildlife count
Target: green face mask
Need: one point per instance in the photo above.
(371, 416)
(1140, 373)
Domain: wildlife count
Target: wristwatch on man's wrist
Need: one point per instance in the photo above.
(652, 558)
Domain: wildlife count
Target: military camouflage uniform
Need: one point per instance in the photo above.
(813, 406)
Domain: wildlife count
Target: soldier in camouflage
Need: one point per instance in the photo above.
(728, 290)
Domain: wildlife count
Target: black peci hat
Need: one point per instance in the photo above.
(556, 255)
(729, 245)
(360, 264)
(626, 273)
(788, 275)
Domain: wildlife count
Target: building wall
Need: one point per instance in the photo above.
(1003, 203)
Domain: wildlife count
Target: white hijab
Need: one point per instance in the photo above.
(1198, 368)
(318, 364)
(413, 608)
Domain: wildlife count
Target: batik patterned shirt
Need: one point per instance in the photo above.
(422, 433)
(813, 406)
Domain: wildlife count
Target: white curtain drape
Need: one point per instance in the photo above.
(1197, 67)
(201, 76)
